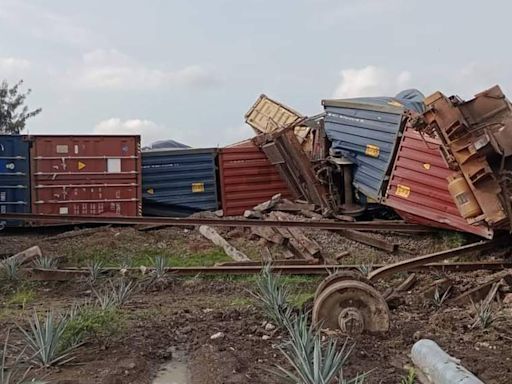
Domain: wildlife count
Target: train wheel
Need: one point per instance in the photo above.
(339, 276)
(352, 306)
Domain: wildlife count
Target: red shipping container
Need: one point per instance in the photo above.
(418, 188)
(86, 175)
(247, 178)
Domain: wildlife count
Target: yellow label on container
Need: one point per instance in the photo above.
(81, 165)
(372, 150)
(197, 187)
(426, 166)
(403, 191)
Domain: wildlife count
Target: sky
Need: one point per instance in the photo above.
(189, 70)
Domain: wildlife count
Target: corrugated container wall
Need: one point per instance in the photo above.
(179, 182)
(14, 176)
(86, 175)
(418, 189)
(367, 134)
(247, 178)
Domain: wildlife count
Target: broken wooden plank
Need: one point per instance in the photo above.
(341, 255)
(78, 232)
(269, 234)
(253, 214)
(481, 291)
(269, 204)
(311, 214)
(368, 239)
(266, 255)
(407, 284)
(23, 257)
(286, 205)
(212, 235)
(312, 247)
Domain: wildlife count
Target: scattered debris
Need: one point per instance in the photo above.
(213, 235)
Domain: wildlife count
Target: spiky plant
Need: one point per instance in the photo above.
(410, 378)
(365, 269)
(10, 269)
(45, 339)
(115, 295)
(274, 297)
(95, 269)
(122, 291)
(13, 374)
(312, 361)
(46, 262)
(485, 315)
(439, 298)
(160, 265)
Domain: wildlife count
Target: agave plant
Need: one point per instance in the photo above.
(159, 265)
(115, 295)
(485, 315)
(439, 298)
(365, 269)
(312, 361)
(45, 339)
(46, 262)
(95, 269)
(13, 374)
(10, 269)
(274, 297)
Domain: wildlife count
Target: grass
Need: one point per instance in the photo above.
(241, 302)
(93, 322)
(145, 255)
(298, 300)
(21, 297)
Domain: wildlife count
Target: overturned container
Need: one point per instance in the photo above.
(14, 176)
(86, 175)
(247, 178)
(418, 189)
(366, 132)
(179, 182)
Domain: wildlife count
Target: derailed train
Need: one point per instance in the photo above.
(439, 161)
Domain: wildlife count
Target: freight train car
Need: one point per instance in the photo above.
(14, 176)
(179, 182)
(86, 175)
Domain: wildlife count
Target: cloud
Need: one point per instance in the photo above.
(42, 23)
(149, 130)
(13, 65)
(111, 69)
(371, 81)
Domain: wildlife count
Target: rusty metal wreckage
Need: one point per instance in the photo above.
(473, 137)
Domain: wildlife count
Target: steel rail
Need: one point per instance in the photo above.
(168, 221)
(319, 270)
(419, 261)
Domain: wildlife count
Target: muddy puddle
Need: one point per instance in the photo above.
(174, 372)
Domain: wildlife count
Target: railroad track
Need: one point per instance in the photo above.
(166, 221)
(250, 268)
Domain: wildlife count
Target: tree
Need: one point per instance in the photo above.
(13, 111)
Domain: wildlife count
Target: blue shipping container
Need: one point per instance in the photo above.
(179, 182)
(14, 176)
(367, 131)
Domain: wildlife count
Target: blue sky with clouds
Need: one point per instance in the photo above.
(189, 70)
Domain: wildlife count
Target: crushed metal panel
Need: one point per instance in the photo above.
(418, 187)
(472, 132)
(14, 176)
(247, 178)
(295, 167)
(179, 182)
(368, 135)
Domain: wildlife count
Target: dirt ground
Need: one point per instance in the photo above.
(182, 316)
